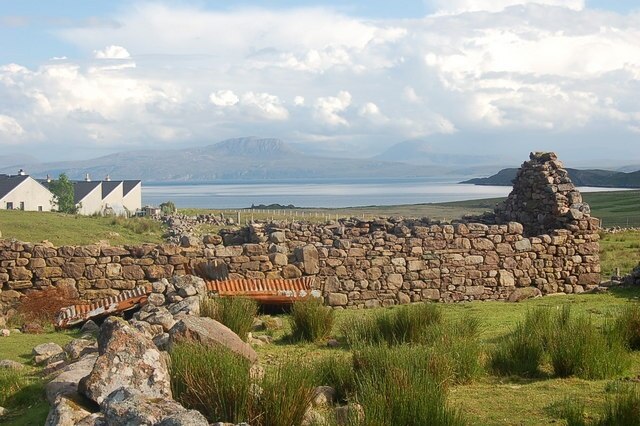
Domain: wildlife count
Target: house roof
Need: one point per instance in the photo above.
(108, 186)
(128, 185)
(9, 183)
(81, 189)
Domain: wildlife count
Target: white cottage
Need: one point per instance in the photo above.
(22, 192)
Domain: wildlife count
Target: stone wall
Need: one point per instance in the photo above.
(358, 263)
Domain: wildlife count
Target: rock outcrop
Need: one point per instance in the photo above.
(129, 359)
(210, 333)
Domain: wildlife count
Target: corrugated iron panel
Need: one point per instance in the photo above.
(281, 290)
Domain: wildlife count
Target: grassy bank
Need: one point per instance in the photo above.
(63, 229)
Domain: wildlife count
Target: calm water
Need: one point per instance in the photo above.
(325, 193)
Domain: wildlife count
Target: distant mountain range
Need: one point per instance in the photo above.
(591, 177)
(232, 159)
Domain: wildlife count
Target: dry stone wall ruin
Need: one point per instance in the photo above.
(542, 236)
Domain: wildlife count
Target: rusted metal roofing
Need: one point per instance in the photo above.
(274, 291)
(266, 290)
(128, 299)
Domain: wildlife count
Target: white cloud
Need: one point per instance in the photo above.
(461, 6)
(327, 108)
(265, 105)
(10, 129)
(112, 52)
(224, 98)
(313, 74)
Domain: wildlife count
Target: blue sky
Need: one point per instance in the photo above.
(90, 77)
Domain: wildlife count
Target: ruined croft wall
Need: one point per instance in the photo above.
(357, 263)
(542, 236)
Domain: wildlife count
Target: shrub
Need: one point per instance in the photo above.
(283, 396)
(42, 307)
(628, 325)
(336, 371)
(237, 313)
(214, 381)
(310, 320)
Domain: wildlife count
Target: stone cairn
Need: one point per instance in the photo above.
(543, 197)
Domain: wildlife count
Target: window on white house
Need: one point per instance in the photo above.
(39, 208)
(21, 205)
(9, 206)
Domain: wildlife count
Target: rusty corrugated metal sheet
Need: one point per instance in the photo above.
(265, 290)
(128, 299)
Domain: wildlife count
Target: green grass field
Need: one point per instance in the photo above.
(63, 229)
(488, 400)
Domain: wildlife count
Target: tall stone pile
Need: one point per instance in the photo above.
(543, 197)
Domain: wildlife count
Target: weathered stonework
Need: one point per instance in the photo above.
(542, 236)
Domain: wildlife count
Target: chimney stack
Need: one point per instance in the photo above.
(21, 172)
(87, 178)
(107, 178)
(48, 178)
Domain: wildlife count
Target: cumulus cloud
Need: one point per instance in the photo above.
(265, 105)
(313, 75)
(328, 109)
(112, 52)
(10, 128)
(461, 6)
(224, 98)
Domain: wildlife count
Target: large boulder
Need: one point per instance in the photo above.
(127, 358)
(67, 379)
(524, 293)
(210, 333)
(46, 352)
(125, 407)
(66, 412)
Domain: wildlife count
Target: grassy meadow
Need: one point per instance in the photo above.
(483, 398)
(64, 229)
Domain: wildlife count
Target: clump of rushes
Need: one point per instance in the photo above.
(403, 385)
(214, 381)
(237, 313)
(628, 325)
(311, 321)
(283, 396)
(519, 353)
(407, 324)
(336, 371)
(623, 408)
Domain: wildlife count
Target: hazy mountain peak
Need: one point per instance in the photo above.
(253, 147)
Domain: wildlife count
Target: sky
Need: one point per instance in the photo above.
(83, 78)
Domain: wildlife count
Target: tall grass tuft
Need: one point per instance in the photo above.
(623, 408)
(403, 385)
(283, 396)
(628, 325)
(237, 313)
(18, 389)
(406, 324)
(311, 320)
(460, 344)
(214, 381)
(336, 371)
(519, 353)
(579, 348)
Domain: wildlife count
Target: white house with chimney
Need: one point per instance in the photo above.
(22, 192)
